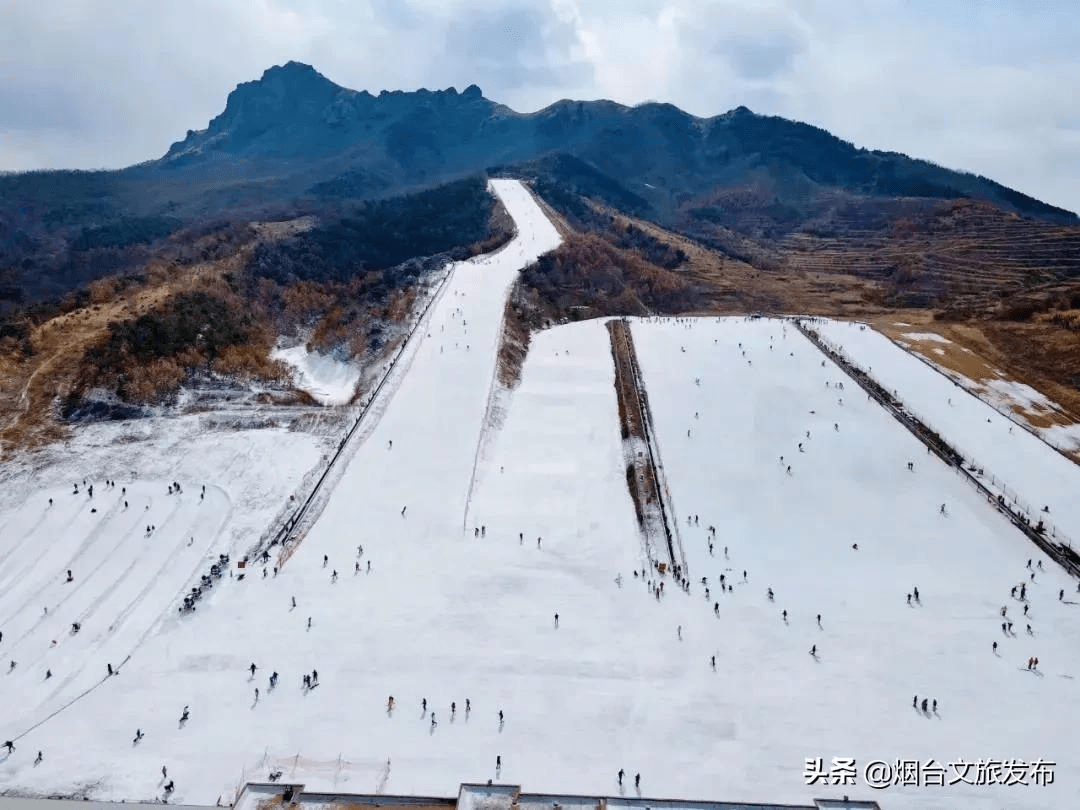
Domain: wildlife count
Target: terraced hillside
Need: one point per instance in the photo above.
(959, 255)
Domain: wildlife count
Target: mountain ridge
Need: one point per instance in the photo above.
(294, 143)
(294, 112)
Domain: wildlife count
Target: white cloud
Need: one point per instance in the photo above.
(990, 90)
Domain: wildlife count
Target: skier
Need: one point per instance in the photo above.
(714, 663)
(770, 595)
(423, 705)
(294, 601)
(356, 570)
(369, 566)
(538, 542)
(252, 668)
(309, 622)
(333, 576)
(184, 715)
(679, 631)
(403, 510)
(813, 651)
(1061, 597)
(498, 762)
(819, 620)
(915, 702)
(995, 646)
(621, 772)
(924, 704)
(637, 780)
(69, 577)
(325, 560)
(556, 620)
(307, 681)
(935, 706)
(453, 708)
(138, 736)
(909, 598)
(273, 680)
(468, 706)
(314, 675)
(916, 592)
(785, 615)
(256, 694)
(169, 788)
(433, 719)
(48, 672)
(942, 510)
(500, 717)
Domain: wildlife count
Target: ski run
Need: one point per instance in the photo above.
(394, 649)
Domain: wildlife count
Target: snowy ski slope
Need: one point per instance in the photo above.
(1041, 476)
(795, 534)
(448, 616)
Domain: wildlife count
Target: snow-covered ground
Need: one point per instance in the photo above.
(1017, 401)
(453, 615)
(1031, 471)
(329, 381)
(771, 704)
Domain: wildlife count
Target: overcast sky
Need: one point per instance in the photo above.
(990, 87)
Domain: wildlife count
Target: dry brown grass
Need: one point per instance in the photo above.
(285, 229)
(30, 385)
(1035, 354)
(733, 286)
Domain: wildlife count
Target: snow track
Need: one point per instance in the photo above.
(625, 679)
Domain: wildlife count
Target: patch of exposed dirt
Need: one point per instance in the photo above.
(286, 229)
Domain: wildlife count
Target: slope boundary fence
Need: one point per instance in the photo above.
(996, 486)
(291, 529)
(1061, 552)
(1005, 411)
